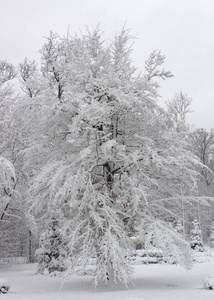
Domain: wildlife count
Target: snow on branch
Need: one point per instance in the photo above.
(173, 245)
(155, 60)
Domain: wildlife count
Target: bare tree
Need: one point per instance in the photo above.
(52, 52)
(28, 72)
(178, 108)
(7, 73)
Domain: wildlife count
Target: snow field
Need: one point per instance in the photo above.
(151, 282)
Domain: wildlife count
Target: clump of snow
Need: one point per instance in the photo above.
(208, 282)
(4, 286)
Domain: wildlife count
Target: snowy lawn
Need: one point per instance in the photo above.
(152, 282)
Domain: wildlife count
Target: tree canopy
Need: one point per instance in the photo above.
(101, 151)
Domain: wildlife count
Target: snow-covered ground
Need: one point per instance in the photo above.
(152, 282)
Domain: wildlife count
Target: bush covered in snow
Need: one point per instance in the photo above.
(208, 282)
(153, 256)
(201, 257)
(4, 286)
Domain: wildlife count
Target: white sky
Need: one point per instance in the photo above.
(182, 29)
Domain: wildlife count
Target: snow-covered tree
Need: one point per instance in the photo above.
(195, 237)
(11, 219)
(12, 141)
(175, 250)
(52, 253)
(108, 160)
(203, 146)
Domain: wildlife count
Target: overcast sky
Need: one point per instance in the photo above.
(182, 29)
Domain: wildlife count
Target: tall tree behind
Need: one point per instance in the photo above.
(203, 147)
(12, 143)
(108, 161)
(202, 143)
